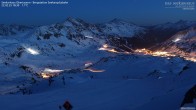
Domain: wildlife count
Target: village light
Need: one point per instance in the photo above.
(144, 51)
(105, 47)
(45, 76)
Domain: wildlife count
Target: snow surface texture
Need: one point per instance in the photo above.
(111, 81)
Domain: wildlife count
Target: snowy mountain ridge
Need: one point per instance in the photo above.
(182, 43)
(41, 67)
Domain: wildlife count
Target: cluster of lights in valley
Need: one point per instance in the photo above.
(144, 51)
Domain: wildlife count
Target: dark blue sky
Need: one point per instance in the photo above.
(142, 12)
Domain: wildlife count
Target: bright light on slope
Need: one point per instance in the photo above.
(47, 73)
(88, 64)
(32, 51)
(89, 37)
(45, 76)
(176, 40)
(105, 47)
(48, 70)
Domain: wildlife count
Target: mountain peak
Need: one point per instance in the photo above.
(70, 19)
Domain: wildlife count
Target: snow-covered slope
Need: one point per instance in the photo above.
(87, 76)
(128, 83)
(183, 43)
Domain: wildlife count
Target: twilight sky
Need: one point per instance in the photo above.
(142, 12)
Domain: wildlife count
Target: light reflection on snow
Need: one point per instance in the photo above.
(32, 51)
(89, 37)
(176, 40)
(94, 70)
(88, 64)
(87, 68)
(48, 70)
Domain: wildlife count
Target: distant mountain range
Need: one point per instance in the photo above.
(137, 36)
